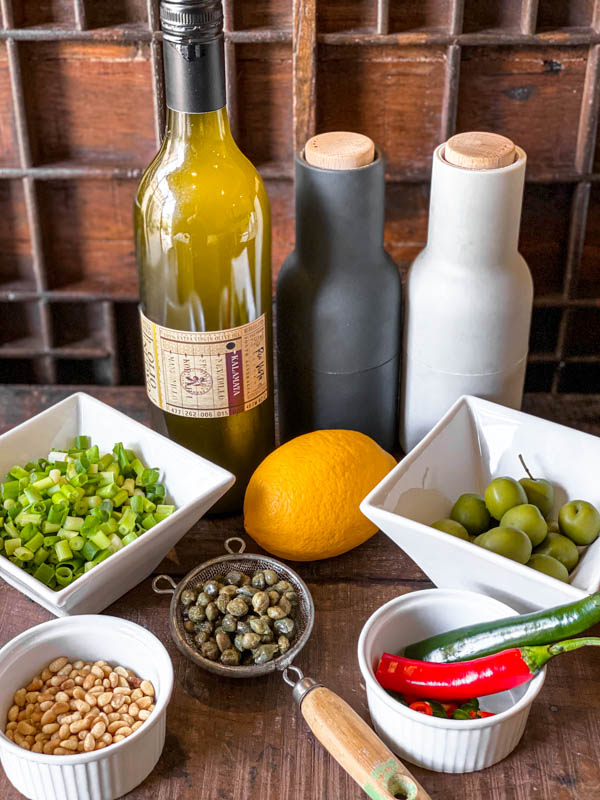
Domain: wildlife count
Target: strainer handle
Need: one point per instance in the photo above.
(166, 578)
(357, 748)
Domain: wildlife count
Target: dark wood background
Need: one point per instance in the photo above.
(81, 114)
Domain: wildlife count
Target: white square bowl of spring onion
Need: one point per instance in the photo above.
(192, 485)
(474, 442)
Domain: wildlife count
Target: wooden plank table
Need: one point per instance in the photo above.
(246, 740)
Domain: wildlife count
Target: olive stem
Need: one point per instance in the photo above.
(525, 467)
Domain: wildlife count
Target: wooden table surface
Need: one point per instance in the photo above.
(246, 740)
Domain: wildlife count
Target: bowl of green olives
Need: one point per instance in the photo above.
(498, 501)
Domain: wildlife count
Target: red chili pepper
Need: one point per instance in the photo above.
(463, 680)
(482, 714)
(450, 708)
(423, 707)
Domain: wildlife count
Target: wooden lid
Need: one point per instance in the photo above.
(479, 150)
(339, 150)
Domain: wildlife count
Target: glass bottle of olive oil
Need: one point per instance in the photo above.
(203, 240)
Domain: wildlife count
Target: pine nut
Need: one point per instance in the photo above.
(113, 679)
(89, 743)
(147, 688)
(47, 704)
(144, 702)
(48, 716)
(79, 725)
(106, 738)
(128, 719)
(88, 681)
(98, 672)
(25, 728)
(61, 751)
(32, 697)
(137, 724)
(13, 713)
(118, 738)
(136, 694)
(62, 697)
(121, 671)
(104, 698)
(57, 664)
(82, 706)
(134, 710)
(20, 697)
(69, 744)
(117, 701)
(98, 729)
(35, 684)
(60, 708)
(78, 664)
(114, 726)
(64, 731)
(78, 693)
(66, 670)
(51, 727)
(123, 682)
(144, 714)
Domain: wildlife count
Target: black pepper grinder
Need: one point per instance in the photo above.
(338, 297)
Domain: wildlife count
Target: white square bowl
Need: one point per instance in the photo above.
(474, 442)
(193, 484)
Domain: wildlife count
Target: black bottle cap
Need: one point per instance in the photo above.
(193, 54)
(186, 21)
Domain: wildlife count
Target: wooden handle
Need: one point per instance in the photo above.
(357, 748)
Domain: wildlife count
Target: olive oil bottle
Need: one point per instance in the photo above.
(203, 241)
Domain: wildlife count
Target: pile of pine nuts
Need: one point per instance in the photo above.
(78, 707)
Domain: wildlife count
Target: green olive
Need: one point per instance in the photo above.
(548, 565)
(470, 511)
(452, 527)
(508, 542)
(502, 494)
(527, 518)
(561, 548)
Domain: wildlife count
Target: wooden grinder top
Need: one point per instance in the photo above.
(339, 150)
(479, 150)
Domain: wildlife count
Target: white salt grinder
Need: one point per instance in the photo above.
(469, 292)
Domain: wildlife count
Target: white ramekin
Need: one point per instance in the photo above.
(431, 742)
(107, 773)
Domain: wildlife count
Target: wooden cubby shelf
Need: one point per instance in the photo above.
(82, 112)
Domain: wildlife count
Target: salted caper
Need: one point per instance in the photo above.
(259, 625)
(234, 577)
(274, 597)
(277, 612)
(211, 588)
(223, 641)
(258, 580)
(201, 637)
(230, 657)
(212, 612)
(243, 626)
(229, 623)
(250, 641)
(203, 599)
(196, 613)
(260, 602)
(270, 577)
(237, 607)
(283, 643)
(264, 653)
(189, 626)
(210, 650)
(188, 596)
(285, 625)
(221, 603)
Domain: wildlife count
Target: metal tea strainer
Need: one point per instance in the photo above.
(338, 727)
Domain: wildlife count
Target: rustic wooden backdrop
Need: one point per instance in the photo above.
(81, 114)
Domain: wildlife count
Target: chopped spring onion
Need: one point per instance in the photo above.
(64, 514)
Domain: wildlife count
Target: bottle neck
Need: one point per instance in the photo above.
(339, 214)
(195, 75)
(474, 216)
(197, 130)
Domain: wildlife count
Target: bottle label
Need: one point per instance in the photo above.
(206, 375)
